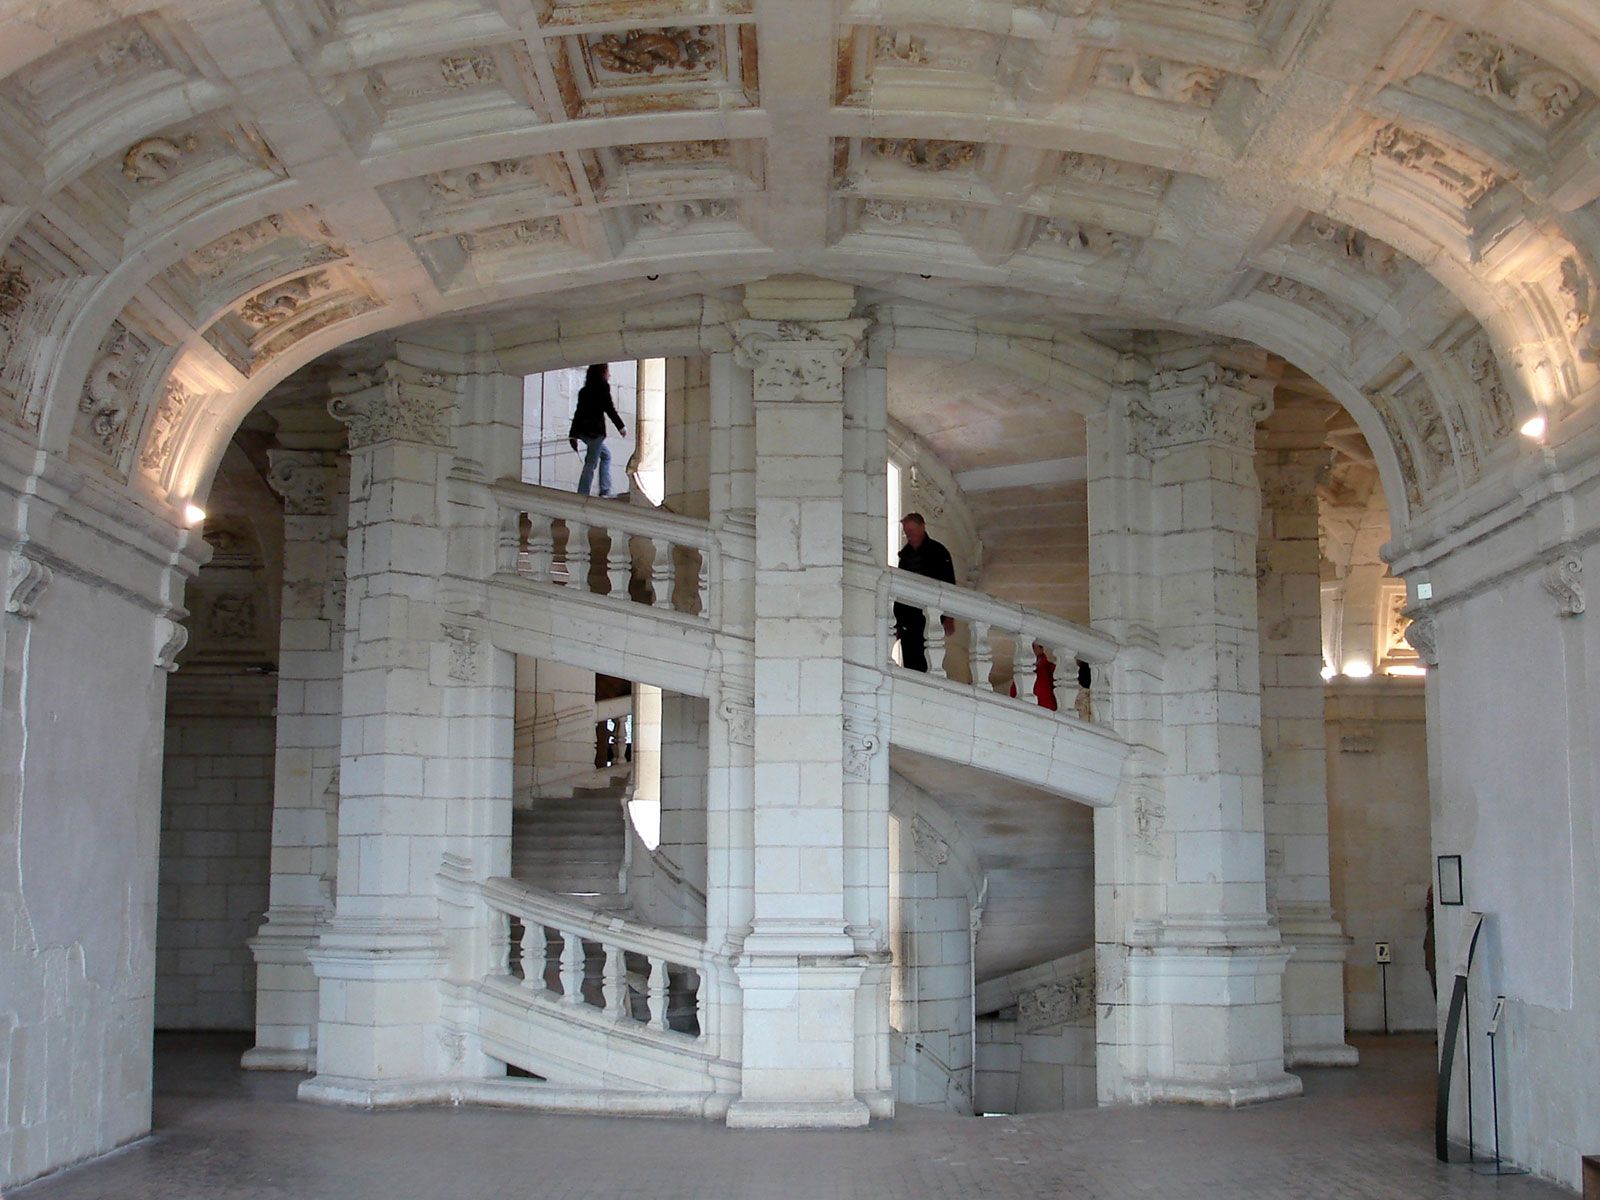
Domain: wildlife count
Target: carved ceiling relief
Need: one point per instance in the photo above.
(418, 80)
(1159, 78)
(1496, 409)
(514, 235)
(1402, 446)
(648, 51)
(1576, 293)
(1510, 77)
(110, 391)
(165, 423)
(263, 325)
(1079, 239)
(677, 215)
(1433, 445)
(914, 213)
(1313, 299)
(1456, 177)
(654, 69)
(925, 154)
(1346, 244)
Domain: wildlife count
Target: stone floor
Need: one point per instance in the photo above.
(224, 1135)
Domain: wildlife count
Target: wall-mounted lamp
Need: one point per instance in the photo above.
(1358, 668)
(1534, 428)
(193, 514)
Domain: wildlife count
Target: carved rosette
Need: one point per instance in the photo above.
(405, 404)
(307, 480)
(1563, 579)
(1208, 405)
(799, 360)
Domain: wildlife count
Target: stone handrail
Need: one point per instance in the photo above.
(992, 624)
(606, 547)
(568, 954)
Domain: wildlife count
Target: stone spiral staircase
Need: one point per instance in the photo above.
(611, 1013)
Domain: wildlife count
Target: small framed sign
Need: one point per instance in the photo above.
(1381, 952)
(1450, 880)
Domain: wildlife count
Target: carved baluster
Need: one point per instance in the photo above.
(982, 656)
(619, 563)
(658, 992)
(616, 983)
(540, 548)
(661, 572)
(933, 640)
(702, 583)
(577, 555)
(1024, 670)
(571, 968)
(532, 954)
(508, 544)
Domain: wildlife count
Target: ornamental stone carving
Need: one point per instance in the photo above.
(1423, 636)
(155, 159)
(674, 215)
(799, 360)
(512, 236)
(926, 154)
(462, 644)
(26, 580)
(1161, 78)
(1451, 172)
(1563, 579)
(646, 51)
(276, 304)
(860, 745)
(14, 291)
(1512, 78)
(1084, 239)
(171, 637)
(105, 393)
(405, 404)
(1149, 819)
(175, 401)
(738, 712)
(1067, 1001)
(306, 479)
(929, 846)
(1358, 739)
(1208, 405)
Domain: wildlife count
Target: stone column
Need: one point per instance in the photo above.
(1198, 971)
(305, 801)
(425, 762)
(798, 969)
(1290, 460)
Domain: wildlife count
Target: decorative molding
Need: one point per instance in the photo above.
(1563, 579)
(930, 847)
(155, 159)
(1149, 819)
(926, 154)
(171, 637)
(1423, 636)
(405, 404)
(164, 425)
(26, 580)
(646, 51)
(799, 360)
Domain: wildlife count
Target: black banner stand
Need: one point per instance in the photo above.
(1459, 1007)
(1498, 1166)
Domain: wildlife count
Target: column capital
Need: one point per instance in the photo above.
(1422, 635)
(308, 480)
(404, 404)
(802, 358)
(1206, 405)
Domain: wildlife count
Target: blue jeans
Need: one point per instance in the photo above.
(595, 452)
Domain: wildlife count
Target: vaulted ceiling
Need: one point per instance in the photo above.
(198, 197)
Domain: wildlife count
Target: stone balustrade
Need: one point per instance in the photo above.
(566, 955)
(607, 548)
(995, 645)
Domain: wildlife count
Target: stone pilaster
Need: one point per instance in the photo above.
(305, 797)
(1196, 967)
(425, 761)
(799, 969)
(1290, 462)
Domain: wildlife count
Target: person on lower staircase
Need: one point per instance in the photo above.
(589, 427)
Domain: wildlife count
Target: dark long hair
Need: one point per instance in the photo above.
(595, 376)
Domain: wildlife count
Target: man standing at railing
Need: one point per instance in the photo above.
(921, 555)
(589, 424)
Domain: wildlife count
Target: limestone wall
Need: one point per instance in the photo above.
(216, 821)
(1379, 836)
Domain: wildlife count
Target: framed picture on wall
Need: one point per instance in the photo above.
(1450, 879)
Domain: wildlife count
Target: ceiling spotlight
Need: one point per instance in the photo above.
(1534, 428)
(193, 514)
(1358, 668)
(927, 276)
(652, 278)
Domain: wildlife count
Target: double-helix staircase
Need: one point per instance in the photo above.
(624, 1016)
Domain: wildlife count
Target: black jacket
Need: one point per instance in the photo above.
(594, 406)
(930, 559)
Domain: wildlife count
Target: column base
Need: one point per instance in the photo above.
(777, 1114)
(1217, 1094)
(1340, 1054)
(1313, 988)
(274, 1058)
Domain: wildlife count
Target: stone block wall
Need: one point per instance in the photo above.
(1378, 817)
(216, 820)
(1044, 1071)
